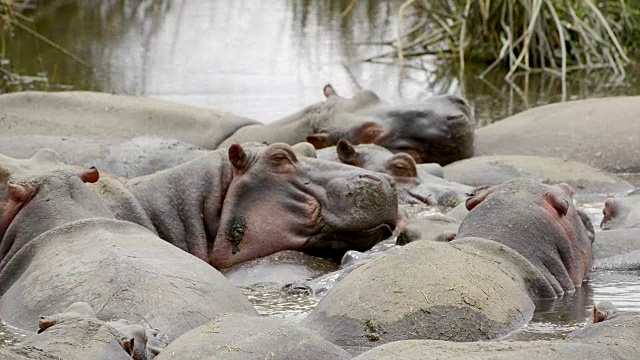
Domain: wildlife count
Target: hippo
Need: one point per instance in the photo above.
(521, 241)
(493, 170)
(131, 158)
(238, 204)
(575, 129)
(612, 338)
(240, 337)
(78, 334)
(60, 244)
(439, 129)
(615, 242)
(621, 213)
(415, 183)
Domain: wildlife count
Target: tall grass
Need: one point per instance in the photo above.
(522, 35)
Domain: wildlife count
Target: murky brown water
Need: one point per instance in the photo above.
(264, 59)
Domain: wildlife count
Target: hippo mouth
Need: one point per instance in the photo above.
(334, 244)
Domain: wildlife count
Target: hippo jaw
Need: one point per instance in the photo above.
(279, 202)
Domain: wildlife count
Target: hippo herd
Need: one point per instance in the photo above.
(124, 222)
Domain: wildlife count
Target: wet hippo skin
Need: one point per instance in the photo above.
(61, 244)
(522, 240)
(246, 202)
(439, 129)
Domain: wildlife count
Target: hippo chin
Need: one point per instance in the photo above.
(250, 201)
(416, 183)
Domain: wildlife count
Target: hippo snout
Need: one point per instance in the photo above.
(361, 201)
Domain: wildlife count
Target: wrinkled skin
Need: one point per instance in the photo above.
(415, 183)
(247, 202)
(242, 337)
(614, 338)
(438, 130)
(521, 241)
(78, 334)
(61, 244)
(538, 221)
(96, 124)
(58, 329)
(131, 158)
(621, 213)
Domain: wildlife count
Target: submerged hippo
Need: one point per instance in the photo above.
(241, 337)
(76, 333)
(60, 244)
(609, 339)
(247, 202)
(575, 129)
(522, 240)
(416, 183)
(621, 213)
(439, 129)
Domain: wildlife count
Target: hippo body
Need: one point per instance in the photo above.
(132, 158)
(616, 242)
(493, 170)
(61, 244)
(471, 288)
(240, 337)
(574, 129)
(85, 120)
(212, 207)
(416, 183)
(609, 339)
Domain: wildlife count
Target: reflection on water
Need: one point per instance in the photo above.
(264, 58)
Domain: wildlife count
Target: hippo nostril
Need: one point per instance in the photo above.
(370, 177)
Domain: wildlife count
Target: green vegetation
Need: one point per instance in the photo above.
(522, 35)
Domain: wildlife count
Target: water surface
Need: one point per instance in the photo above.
(265, 58)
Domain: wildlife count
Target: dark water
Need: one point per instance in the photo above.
(264, 58)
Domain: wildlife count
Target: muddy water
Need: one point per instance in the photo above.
(264, 58)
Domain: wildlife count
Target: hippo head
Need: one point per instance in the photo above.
(540, 222)
(279, 200)
(80, 315)
(414, 187)
(438, 130)
(21, 180)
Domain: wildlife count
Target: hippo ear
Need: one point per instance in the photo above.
(477, 196)
(46, 322)
(369, 133)
(599, 315)
(304, 149)
(611, 208)
(128, 345)
(46, 155)
(329, 91)
(402, 166)
(20, 193)
(90, 175)
(347, 153)
(237, 157)
(558, 201)
(320, 140)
